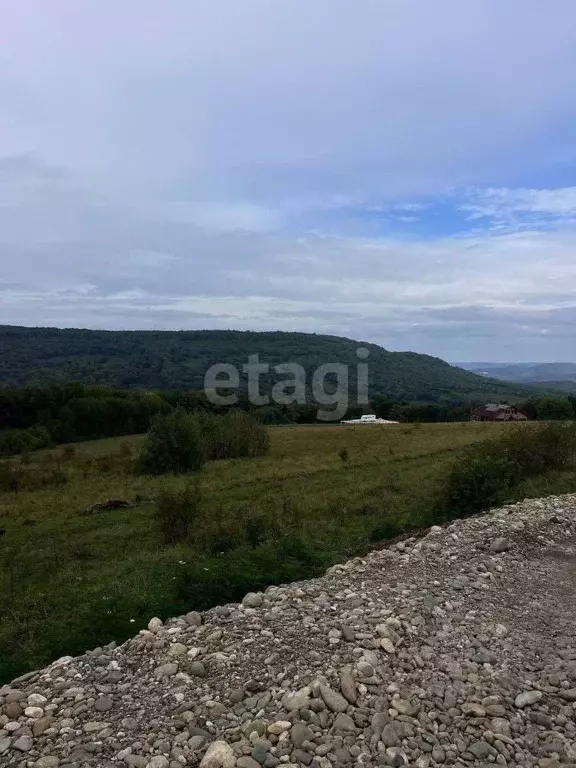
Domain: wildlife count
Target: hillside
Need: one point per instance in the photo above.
(179, 359)
(559, 376)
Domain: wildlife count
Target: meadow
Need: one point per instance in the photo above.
(70, 581)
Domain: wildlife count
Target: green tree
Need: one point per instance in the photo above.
(554, 408)
(174, 444)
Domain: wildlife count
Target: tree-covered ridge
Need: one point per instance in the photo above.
(161, 360)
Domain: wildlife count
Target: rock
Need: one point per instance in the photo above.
(35, 713)
(247, 762)
(155, 624)
(13, 710)
(333, 700)
(36, 700)
(196, 669)
(527, 698)
(300, 733)
(387, 645)
(473, 710)
(41, 725)
(48, 761)
(280, 726)
(23, 744)
(253, 600)
(178, 649)
(405, 707)
(348, 687)
(103, 704)
(392, 733)
(480, 749)
(500, 545)
(166, 670)
(294, 701)
(194, 619)
(344, 722)
(137, 761)
(218, 755)
(569, 695)
(159, 761)
(260, 751)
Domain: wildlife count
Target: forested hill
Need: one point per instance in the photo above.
(179, 360)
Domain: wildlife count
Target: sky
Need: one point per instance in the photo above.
(395, 171)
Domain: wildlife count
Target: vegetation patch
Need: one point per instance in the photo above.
(319, 495)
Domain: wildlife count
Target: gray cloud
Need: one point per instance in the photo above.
(169, 167)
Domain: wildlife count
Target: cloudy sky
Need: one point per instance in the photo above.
(397, 171)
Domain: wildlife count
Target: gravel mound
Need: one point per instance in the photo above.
(455, 649)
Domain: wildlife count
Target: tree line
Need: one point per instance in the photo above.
(37, 417)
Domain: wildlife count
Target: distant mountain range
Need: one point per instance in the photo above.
(559, 376)
(179, 360)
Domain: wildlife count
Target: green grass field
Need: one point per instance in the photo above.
(70, 581)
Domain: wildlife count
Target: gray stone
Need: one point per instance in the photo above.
(247, 762)
(333, 700)
(527, 698)
(23, 744)
(218, 755)
(166, 670)
(260, 751)
(103, 704)
(159, 761)
(13, 710)
(196, 669)
(392, 733)
(500, 545)
(253, 600)
(300, 756)
(348, 687)
(480, 749)
(344, 722)
(300, 733)
(47, 761)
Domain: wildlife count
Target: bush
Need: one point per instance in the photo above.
(232, 436)
(476, 483)
(16, 477)
(13, 441)
(182, 442)
(491, 473)
(176, 512)
(542, 448)
(174, 444)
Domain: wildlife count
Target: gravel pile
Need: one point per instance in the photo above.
(455, 649)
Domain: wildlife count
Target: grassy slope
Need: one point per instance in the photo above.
(69, 582)
(179, 359)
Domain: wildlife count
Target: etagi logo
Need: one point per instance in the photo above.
(329, 384)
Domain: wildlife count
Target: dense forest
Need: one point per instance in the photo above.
(37, 417)
(178, 360)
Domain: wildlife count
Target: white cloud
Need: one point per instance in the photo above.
(506, 205)
(170, 172)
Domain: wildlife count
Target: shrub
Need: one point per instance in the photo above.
(542, 448)
(232, 435)
(176, 512)
(68, 452)
(15, 477)
(173, 444)
(13, 441)
(477, 482)
(491, 473)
